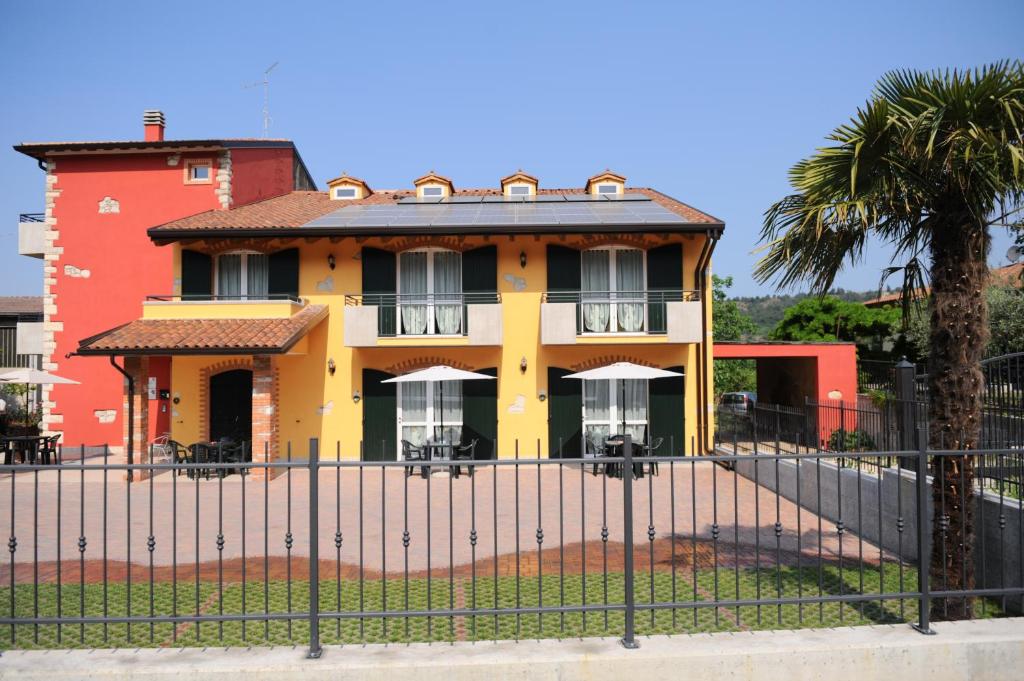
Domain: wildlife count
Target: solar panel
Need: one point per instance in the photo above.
(561, 210)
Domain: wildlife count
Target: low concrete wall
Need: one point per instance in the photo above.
(985, 650)
(857, 499)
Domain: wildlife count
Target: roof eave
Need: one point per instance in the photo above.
(163, 236)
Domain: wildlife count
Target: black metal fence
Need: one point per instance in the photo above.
(312, 549)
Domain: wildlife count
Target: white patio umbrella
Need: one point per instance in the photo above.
(623, 371)
(439, 374)
(29, 376)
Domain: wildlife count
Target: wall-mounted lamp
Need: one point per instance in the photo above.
(356, 396)
(522, 365)
(522, 259)
(330, 260)
(331, 366)
(542, 395)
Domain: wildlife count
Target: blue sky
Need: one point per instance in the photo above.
(709, 102)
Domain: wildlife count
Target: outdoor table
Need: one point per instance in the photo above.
(28, 445)
(613, 447)
(442, 451)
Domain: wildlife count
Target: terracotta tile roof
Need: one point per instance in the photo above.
(204, 336)
(297, 208)
(12, 305)
(1009, 275)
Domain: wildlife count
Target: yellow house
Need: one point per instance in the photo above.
(288, 315)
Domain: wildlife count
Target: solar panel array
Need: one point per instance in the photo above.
(557, 210)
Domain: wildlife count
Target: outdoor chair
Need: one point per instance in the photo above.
(465, 452)
(201, 454)
(47, 451)
(649, 450)
(411, 452)
(231, 452)
(180, 454)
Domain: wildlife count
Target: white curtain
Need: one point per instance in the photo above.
(451, 409)
(229, 275)
(636, 408)
(257, 275)
(448, 292)
(595, 286)
(414, 412)
(413, 292)
(596, 413)
(629, 285)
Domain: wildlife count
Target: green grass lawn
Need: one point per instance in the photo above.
(400, 594)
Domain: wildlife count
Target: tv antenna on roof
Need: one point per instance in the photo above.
(266, 97)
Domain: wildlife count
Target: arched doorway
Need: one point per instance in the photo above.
(231, 405)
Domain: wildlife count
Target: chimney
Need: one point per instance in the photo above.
(153, 125)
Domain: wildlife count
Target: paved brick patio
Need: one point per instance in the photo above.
(679, 504)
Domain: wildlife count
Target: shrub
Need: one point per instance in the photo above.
(842, 440)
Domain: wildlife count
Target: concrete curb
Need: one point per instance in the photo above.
(979, 651)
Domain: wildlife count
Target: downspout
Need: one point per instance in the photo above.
(131, 414)
(701, 279)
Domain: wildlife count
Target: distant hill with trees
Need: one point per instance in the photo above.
(767, 311)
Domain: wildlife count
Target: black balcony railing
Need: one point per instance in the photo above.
(31, 217)
(423, 314)
(202, 298)
(625, 312)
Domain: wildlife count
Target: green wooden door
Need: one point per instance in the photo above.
(283, 277)
(564, 277)
(565, 414)
(479, 278)
(379, 278)
(196, 275)
(380, 417)
(667, 413)
(664, 271)
(480, 414)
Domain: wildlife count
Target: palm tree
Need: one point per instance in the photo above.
(929, 165)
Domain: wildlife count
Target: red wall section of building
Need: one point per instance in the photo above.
(259, 174)
(836, 362)
(122, 264)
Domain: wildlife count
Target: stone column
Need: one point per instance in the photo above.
(264, 412)
(138, 369)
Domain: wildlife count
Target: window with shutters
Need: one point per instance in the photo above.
(613, 407)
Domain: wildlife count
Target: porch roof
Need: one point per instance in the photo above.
(257, 336)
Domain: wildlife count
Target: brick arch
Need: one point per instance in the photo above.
(417, 363)
(631, 240)
(205, 374)
(605, 360)
(410, 243)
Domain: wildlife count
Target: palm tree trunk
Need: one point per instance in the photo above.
(959, 334)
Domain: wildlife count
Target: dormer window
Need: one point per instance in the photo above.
(347, 188)
(606, 184)
(519, 184)
(433, 186)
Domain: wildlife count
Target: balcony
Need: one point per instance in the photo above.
(220, 307)
(32, 234)
(422, 320)
(613, 317)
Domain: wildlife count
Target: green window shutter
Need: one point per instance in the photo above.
(664, 271)
(667, 413)
(380, 416)
(196, 274)
(480, 272)
(480, 414)
(565, 414)
(564, 277)
(379, 278)
(283, 279)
